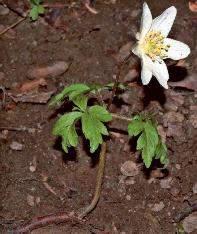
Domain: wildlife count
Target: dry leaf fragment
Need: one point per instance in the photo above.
(41, 98)
(52, 71)
(30, 85)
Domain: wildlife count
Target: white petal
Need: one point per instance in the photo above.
(146, 73)
(160, 71)
(146, 21)
(164, 22)
(178, 50)
(136, 50)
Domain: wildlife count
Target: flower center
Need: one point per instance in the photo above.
(153, 46)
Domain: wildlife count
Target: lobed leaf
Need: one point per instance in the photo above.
(73, 91)
(65, 121)
(92, 125)
(100, 113)
(149, 142)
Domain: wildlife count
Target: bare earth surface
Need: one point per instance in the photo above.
(38, 178)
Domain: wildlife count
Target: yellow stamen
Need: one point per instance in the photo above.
(153, 45)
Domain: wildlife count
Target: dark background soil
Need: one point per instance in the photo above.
(89, 42)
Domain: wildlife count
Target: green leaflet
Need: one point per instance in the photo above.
(36, 9)
(92, 119)
(74, 92)
(100, 113)
(92, 125)
(135, 127)
(161, 153)
(149, 142)
(65, 127)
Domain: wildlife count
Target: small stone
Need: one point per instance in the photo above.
(166, 183)
(16, 146)
(190, 223)
(195, 188)
(158, 207)
(128, 197)
(129, 168)
(178, 166)
(30, 200)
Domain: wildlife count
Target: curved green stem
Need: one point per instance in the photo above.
(99, 180)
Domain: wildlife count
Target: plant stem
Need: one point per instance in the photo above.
(120, 65)
(99, 180)
(115, 116)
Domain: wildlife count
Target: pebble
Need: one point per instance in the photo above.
(128, 197)
(178, 166)
(157, 206)
(16, 146)
(129, 168)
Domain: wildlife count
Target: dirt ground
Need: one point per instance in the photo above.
(38, 178)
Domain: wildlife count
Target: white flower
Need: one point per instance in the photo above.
(153, 45)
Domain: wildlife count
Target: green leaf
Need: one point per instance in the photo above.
(72, 136)
(65, 121)
(41, 9)
(92, 125)
(65, 128)
(81, 101)
(141, 142)
(100, 113)
(148, 139)
(34, 13)
(135, 127)
(71, 91)
(161, 153)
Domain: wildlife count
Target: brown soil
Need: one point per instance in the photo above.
(90, 42)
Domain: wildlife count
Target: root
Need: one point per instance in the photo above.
(45, 221)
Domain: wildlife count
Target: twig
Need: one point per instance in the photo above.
(99, 181)
(20, 129)
(12, 26)
(45, 221)
(120, 65)
(184, 213)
